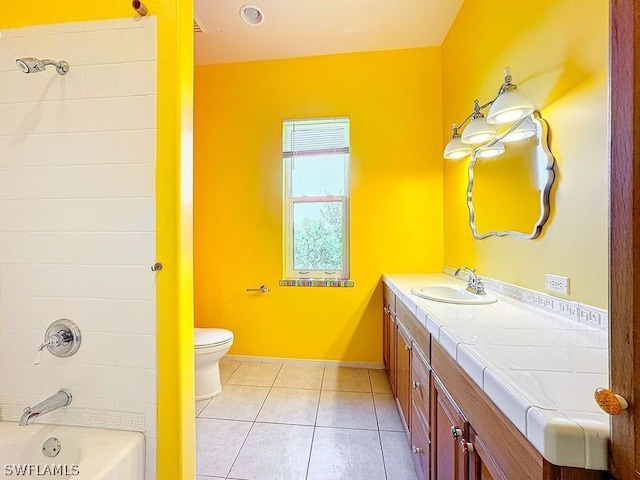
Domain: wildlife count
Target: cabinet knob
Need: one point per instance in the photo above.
(611, 403)
(416, 385)
(385, 309)
(466, 446)
(407, 347)
(417, 450)
(455, 432)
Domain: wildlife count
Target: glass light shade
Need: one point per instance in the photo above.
(492, 151)
(455, 149)
(526, 129)
(478, 131)
(510, 106)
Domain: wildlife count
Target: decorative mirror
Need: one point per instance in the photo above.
(509, 194)
(511, 170)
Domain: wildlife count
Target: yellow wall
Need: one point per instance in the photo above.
(393, 99)
(176, 429)
(558, 52)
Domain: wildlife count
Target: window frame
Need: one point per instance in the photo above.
(290, 201)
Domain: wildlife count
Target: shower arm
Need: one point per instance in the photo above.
(62, 67)
(48, 61)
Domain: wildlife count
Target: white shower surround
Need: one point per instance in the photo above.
(77, 222)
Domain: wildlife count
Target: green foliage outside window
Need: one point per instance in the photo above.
(317, 243)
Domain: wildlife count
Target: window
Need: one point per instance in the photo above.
(316, 171)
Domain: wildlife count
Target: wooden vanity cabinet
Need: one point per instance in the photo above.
(434, 394)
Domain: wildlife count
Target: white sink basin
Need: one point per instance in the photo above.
(448, 294)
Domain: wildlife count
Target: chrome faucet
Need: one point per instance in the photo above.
(474, 284)
(58, 400)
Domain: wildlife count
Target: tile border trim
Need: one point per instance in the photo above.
(316, 282)
(82, 418)
(578, 312)
(303, 361)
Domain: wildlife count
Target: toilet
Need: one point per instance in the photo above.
(211, 344)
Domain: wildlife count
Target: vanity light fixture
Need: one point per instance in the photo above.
(455, 149)
(510, 108)
(511, 104)
(478, 130)
(493, 150)
(525, 129)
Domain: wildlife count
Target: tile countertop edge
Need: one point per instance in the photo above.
(558, 437)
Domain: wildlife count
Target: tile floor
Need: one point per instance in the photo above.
(301, 422)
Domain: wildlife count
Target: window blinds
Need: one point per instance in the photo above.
(315, 137)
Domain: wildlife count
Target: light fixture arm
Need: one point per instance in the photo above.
(506, 85)
(476, 109)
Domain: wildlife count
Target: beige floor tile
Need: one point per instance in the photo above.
(274, 452)
(200, 404)
(346, 454)
(236, 402)
(346, 379)
(387, 412)
(256, 374)
(379, 381)
(300, 376)
(346, 409)
(217, 445)
(290, 405)
(200, 477)
(397, 456)
(227, 368)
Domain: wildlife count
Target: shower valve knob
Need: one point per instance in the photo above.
(62, 339)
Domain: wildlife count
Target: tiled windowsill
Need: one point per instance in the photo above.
(316, 282)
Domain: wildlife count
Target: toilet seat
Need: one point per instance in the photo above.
(211, 337)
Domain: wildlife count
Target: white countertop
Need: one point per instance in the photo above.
(540, 369)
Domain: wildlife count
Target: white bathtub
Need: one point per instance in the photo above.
(85, 453)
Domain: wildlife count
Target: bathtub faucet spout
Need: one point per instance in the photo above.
(58, 400)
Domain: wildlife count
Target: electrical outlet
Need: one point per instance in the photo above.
(556, 283)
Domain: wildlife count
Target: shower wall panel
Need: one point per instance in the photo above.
(77, 222)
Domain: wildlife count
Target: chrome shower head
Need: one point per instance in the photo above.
(32, 64)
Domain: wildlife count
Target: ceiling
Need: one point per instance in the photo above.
(302, 28)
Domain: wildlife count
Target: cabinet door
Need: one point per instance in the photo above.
(393, 346)
(448, 428)
(403, 387)
(420, 386)
(420, 444)
(482, 464)
(386, 338)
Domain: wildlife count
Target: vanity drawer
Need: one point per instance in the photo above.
(420, 334)
(420, 384)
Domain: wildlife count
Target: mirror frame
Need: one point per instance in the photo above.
(545, 193)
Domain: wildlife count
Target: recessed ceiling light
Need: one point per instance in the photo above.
(251, 14)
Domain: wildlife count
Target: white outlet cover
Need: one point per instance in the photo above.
(557, 283)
